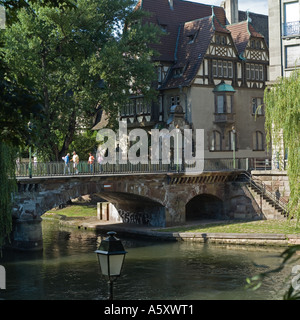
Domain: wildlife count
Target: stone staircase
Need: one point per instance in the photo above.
(270, 206)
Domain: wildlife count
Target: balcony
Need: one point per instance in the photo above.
(224, 118)
(291, 29)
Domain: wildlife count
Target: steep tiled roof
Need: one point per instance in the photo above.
(193, 41)
(260, 21)
(241, 33)
(189, 29)
(173, 17)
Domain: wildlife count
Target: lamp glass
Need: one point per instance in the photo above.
(111, 265)
(103, 261)
(115, 264)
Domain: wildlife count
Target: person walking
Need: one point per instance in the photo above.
(67, 163)
(91, 162)
(75, 160)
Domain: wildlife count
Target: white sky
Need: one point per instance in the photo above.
(257, 6)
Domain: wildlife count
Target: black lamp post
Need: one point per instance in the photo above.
(30, 160)
(111, 255)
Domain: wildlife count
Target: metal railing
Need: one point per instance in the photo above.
(266, 193)
(260, 164)
(291, 28)
(40, 169)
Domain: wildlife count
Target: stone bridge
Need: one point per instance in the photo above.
(159, 200)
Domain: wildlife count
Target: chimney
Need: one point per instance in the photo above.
(231, 10)
(171, 4)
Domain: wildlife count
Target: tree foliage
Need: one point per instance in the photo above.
(7, 188)
(282, 102)
(75, 59)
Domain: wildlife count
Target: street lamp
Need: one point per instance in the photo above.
(233, 146)
(111, 255)
(30, 160)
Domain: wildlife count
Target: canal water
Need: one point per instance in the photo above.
(68, 269)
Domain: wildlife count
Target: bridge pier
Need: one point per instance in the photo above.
(27, 235)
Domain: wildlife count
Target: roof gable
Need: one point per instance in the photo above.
(241, 33)
(194, 38)
(172, 18)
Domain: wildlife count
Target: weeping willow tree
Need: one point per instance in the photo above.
(7, 188)
(282, 104)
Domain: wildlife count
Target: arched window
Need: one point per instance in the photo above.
(216, 141)
(258, 141)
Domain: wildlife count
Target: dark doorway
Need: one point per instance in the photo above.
(204, 206)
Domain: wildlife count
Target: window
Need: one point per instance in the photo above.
(257, 106)
(254, 71)
(221, 40)
(177, 72)
(159, 73)
(163, 27)
(255, 44)
(291, 24)
(220, 104)
(216, 141)
(258, 142)
(292, 56)
(175, 100)
(192, 37)
(229, 103)
(222, 69)
(224, 103)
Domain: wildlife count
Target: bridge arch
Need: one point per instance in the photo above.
(137, 209)
(204, 206)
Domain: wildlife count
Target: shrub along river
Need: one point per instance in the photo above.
(68, 269)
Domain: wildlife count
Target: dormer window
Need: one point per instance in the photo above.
(192, 37)
(177, 72)
(221, 40)
(163, 28)
(255, 44)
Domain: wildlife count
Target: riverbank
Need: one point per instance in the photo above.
(201, 235)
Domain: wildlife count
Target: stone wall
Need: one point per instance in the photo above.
(276, 182)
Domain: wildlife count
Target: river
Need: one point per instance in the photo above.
(68, 269)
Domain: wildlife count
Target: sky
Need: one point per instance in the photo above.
(257, 6)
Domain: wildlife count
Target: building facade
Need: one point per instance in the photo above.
(284, 34)
(215, 67)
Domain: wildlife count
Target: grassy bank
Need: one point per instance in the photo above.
(226, 226)
(241, 226)
(76, 211)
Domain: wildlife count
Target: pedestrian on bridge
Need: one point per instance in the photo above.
(75, 160)
(67, 163)
(91, 162)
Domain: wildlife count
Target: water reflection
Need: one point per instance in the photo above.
(68, 269)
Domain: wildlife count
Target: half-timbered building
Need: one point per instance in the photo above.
(215, 67)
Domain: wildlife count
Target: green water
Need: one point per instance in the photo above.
(67, 269)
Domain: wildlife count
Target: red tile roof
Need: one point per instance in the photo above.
(189, 54)
(188, 20)
(241, 33)
(182, 12)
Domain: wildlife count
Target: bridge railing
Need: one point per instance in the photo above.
(39, 169)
